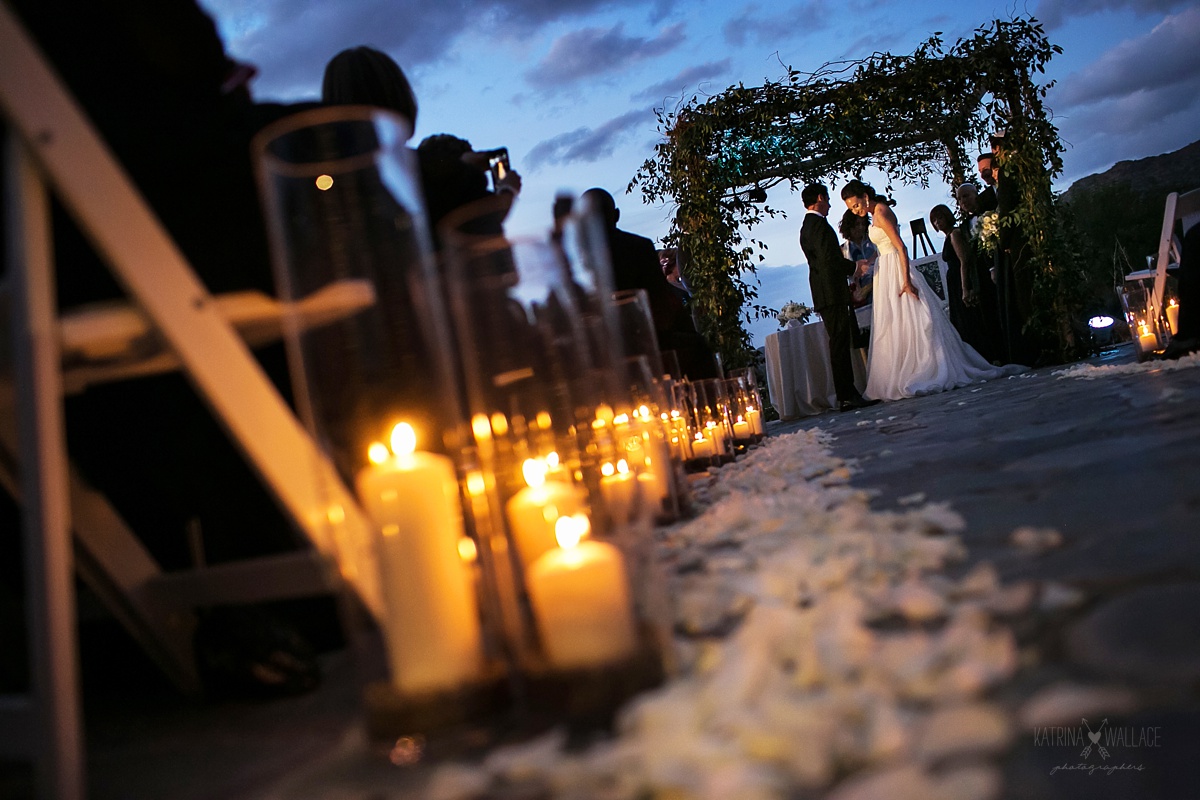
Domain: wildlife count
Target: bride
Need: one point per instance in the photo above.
(914, 348)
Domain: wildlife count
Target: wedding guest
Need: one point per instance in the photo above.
(455, 176)
(1014, 271)
(364, 76)
(985, 163)
(828, 272)
(635, 265)
(668, 259)
(969, 290)
(858, 248)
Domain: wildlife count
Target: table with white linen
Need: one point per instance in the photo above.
(799, 378)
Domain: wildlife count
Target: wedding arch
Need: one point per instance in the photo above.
(909, 116)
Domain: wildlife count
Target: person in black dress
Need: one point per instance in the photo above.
(969, 288)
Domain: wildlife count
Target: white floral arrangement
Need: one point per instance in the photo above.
(793, 311)
(987, 233)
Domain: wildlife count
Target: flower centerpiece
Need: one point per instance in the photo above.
(987, 232)
(793, 311)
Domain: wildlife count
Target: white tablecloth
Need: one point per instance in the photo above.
(799, 379)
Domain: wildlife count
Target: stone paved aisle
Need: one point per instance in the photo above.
(1109, 464)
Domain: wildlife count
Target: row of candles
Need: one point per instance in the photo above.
(577, 586)
(512, 493)
(1148, 334)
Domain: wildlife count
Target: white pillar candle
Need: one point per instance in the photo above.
(742, 429)
(619, 488)
(715, 432)
(432, 623)
(580, 599)
(1147, 341)
(701, 447)
(1173, 318)
(754, 417)
(533, 511)
(658, 464)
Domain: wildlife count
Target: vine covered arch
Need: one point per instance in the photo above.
(909, 116)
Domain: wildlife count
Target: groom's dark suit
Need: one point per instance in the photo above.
(828, 271)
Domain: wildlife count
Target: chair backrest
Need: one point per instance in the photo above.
(1178, 206)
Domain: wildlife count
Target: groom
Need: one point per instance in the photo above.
(828, 270)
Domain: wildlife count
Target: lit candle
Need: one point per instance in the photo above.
(754, 417)
(742, 429)
(580, 599)
(702, 447)
(1173, 317)
(533, 511)
(658, 464)
(715, 432)
(629, 439)
(1146, 339)
(432, 624)
(619, 488)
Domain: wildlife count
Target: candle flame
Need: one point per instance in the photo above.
(534, 472)
(622, 466)
(552, 459)
(377, 453)
(621, 419)
(475, 484)
(481, 427)
(499, 424)
(543, 420)
(404, 439)
(604, 413)
(607, 469)
(644, 412)
(467, 550)
(568, 531)
(324, 182)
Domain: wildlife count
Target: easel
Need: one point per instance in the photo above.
(52, 142)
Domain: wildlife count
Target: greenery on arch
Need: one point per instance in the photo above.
(911, 117)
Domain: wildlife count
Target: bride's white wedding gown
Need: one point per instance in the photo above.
(914, 347)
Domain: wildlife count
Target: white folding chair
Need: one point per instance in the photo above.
(1185, 207)
(52, 142)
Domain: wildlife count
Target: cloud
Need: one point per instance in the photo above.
(686, 78)
(1053, 13)
(1141, 98)
(593, 51)
(1158, 62)
(750, 25)
(588, 144)
(291, 40)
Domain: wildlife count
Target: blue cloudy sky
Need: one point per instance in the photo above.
(570, 86)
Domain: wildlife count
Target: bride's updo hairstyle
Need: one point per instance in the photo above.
(857, 188)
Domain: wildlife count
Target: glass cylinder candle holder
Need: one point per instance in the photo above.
(690, 430)
(713, 412)
(739, 399)
(1144, 326)
(753, 400)
(636, 327)
(366, 334)
(557, 492)
(661, 475)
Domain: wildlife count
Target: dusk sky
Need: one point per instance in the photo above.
(570, 86)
